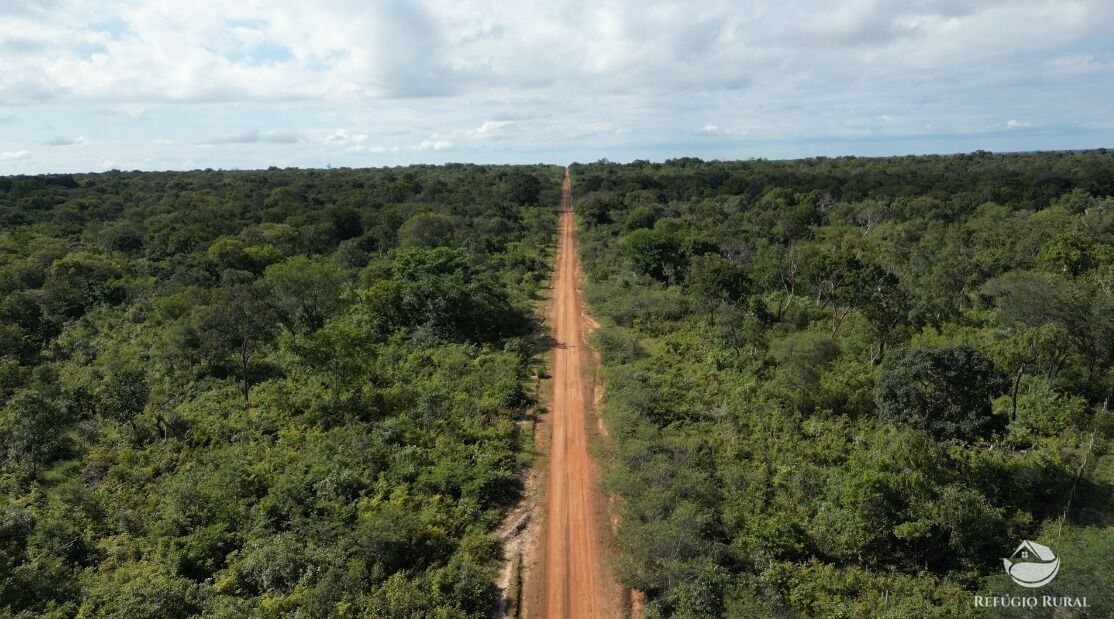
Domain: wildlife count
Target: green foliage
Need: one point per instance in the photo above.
(427, 230)
(233, 394)
(1069, 253)
(382, 323)
(848, 387)
(29, 426)
(594, 210)
(79, 280)
(656, 254)
(943, 391)
(305, 292)
(237, 322)
(804, 355)
(436, 289)
(715, 279)
(141, 591)
(123, 394)
(523, 189)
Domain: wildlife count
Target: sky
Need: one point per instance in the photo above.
(89, 85)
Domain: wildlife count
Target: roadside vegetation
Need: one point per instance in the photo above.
(849, 387)
(265, 394)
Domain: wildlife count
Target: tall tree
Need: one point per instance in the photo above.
(239, 320)
(30, 424)
(305, 292)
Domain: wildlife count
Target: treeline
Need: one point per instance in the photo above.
(849, 387)
(265, 394)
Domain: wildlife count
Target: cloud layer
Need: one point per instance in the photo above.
(359, 82)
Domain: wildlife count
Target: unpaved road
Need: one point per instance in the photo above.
(577, 581)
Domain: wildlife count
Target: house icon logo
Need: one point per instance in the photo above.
(1032, 565)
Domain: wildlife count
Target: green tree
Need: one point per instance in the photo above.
(438, 289)
(847, 283)
(140, 591)
(229, 253)
(123, 394)
(656, 254)
(716, 279)
(345, 221)
(522, 188)
(943, 391)
(593, 210)
(33, 428)
(239, 320)
(804, 356)
(1068, 253)
(427, 230)
(80, 280)
(305, 292)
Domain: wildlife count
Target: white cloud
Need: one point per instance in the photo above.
(476, 78)
(209, 50)
(255, 136)
(78, 141)
(434, 145)
(353, 142)
(14, 155)
(491, 129)
(716, 130)
(487, 131)
(127, 111)
(344, 137)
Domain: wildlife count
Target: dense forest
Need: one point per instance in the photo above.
(849, 387)
(276, 393)
(833, 387)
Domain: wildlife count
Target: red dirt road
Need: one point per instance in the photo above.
(577, 581)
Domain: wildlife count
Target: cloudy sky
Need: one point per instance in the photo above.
(92, 85)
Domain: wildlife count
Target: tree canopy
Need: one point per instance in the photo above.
(847, 387)
(273, 393)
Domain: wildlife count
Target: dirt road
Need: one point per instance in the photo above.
(577, 580)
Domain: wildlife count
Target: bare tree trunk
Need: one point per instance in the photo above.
(838, 318)
(1082, 467)
(788, 280)
(244, 366)
(336, 377)
(876, 359)
(1016, 386)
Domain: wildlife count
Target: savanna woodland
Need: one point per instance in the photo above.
(265, 394)
(849, 387)
(832, 387)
